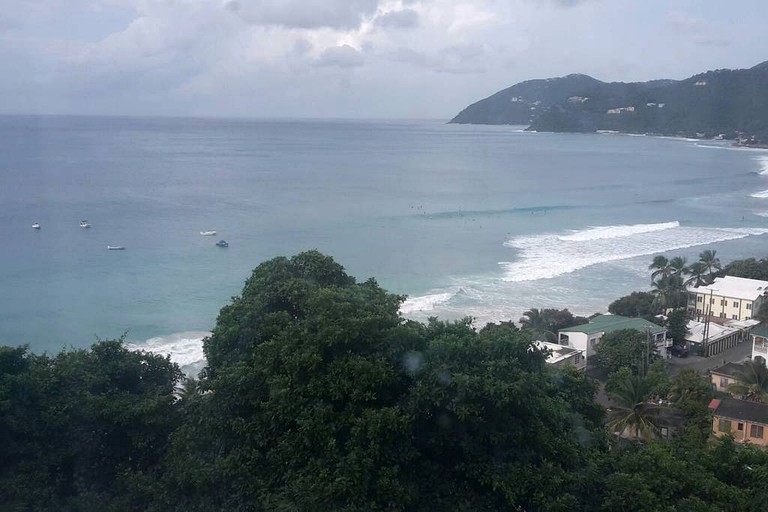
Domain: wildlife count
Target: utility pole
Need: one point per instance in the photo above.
(708, 310)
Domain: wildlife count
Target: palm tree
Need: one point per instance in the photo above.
(632, 415)
(536, 321)
(752, 382)
(710, 261)
(698, 275)
(660, 267)
(188, 390)
(678, 265)
(668, 291)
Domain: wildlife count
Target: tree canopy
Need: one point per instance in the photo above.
(319, 395)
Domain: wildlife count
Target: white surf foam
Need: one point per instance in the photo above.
(549, 255)
(763, 162)
(604, 232)
(760, 195)
(426, 302)
(185, 349)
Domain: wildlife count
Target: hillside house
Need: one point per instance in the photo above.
(746, 421)
(586, 336)
(759, 336)
(727, 298)
(561, 356)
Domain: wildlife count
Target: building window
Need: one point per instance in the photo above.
(734, 317)
(592, 342)
(723, 302)
(724, 425)
(740, 426)
(698, 311)
(577, 359)
(723, 382)
(749, 305)
(722, 315)
(747, 317)
(699, 299)
(711, 301)
(735, 303)
(756, 431)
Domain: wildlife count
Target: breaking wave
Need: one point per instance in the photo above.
(549, 255)
(763, 162)
(185, 349)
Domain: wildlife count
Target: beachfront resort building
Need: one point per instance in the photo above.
(727, 298)
(587, 336)
(760, 343)
(561, 356)
(746, 421)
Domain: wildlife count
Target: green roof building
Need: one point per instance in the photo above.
(586, 336)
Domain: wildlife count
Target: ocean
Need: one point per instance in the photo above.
(480, 221)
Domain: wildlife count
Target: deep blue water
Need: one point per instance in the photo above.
(484, 221)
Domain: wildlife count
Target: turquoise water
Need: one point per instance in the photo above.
(485, 221)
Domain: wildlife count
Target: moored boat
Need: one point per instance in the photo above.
(36, 225)
(222, 243)
(84, 224)
(115, 247)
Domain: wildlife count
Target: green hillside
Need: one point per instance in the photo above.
(730, 104)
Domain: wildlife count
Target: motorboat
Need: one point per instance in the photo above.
(115, 247)
(36, 225)
(208, 233)
(222, 243)
(84, 224)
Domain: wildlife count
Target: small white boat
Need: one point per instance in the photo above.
(36, 225)
(84, 224)
(115, 247)
(222, 243)
(208, 233)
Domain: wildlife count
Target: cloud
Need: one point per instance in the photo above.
(308, 14)
(343, 56)
(681, 22)
(406, 18)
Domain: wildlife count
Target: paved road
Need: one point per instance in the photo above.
(735, 354)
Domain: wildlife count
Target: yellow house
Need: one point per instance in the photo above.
(727, 298)
(724, 376)
(746, 421)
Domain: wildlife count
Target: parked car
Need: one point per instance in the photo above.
(679, 350)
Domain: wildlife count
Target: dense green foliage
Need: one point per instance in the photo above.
(85, 430)
(544, 323)
(624, 348)
(733, 103)
(636, 304)
(750, 268)
(318, 395)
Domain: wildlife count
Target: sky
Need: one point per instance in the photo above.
(414, 59)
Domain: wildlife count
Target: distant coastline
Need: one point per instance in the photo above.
(716, 105)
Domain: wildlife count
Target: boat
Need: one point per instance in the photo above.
(222, 243)
(84, 224)
(115, 247)
(208, 233)
(36, 225)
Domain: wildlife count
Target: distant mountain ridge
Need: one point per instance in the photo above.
(728, 104)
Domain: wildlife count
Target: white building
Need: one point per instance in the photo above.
(727, 298)
(586, 336)
(710, 338)
(760, 344)
(562, 356)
